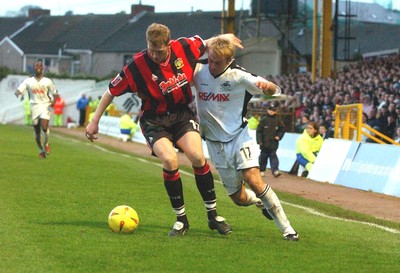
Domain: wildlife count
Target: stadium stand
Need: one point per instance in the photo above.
(377, 79)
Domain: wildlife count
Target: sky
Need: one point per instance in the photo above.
(60, 7)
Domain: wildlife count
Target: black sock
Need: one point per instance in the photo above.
(173, 185)
(205, 185)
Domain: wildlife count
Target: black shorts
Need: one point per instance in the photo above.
(172, 126)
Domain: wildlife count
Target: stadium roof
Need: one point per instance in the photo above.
(49, 34)
(131, 37)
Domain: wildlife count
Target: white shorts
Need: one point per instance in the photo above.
(40, 110)
(232, 157)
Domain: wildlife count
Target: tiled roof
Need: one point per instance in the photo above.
(132, 37)
(10, 25)
(110, 33)
(50, 33)
(369, 37)
(122, 33)
(369, 12)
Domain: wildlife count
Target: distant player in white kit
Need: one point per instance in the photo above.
(223, 90)
(42, 95)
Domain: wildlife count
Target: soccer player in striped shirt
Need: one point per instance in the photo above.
(161, 76)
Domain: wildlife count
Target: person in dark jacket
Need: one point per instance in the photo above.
(81, 105)
(270, 131)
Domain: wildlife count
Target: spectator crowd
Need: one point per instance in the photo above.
(375, 83)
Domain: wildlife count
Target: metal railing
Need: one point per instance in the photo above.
(348, 125)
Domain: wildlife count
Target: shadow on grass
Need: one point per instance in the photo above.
(89, 224)
(144, 230)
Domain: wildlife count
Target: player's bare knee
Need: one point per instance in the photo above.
(197, 160)
(170, 162)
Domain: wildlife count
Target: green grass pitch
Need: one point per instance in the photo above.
(53, 218)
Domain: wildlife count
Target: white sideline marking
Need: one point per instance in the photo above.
(309, 210)
(314, 212)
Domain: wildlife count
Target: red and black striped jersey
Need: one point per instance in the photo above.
(162, 87)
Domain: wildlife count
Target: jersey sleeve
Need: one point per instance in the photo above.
(196, 42)
(119, 85)
(52, 88)
(23, 87)
(249, 82)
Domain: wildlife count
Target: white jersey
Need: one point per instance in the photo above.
(39, 96)
(222, 100)
(39, 90)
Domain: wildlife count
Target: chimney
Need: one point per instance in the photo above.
(35, 13)
(136, 9)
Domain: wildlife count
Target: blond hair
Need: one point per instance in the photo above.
(222, 47)
(158, 35)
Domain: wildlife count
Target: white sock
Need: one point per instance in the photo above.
(274, 208)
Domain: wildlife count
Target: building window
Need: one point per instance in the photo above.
(47, 62)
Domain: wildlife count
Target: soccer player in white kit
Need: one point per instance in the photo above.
(42, 95)
(223, 90)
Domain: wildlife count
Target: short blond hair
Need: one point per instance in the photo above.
(158, 35)
(222, 47)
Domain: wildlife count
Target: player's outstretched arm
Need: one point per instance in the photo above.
(93, 127)
(269, 88)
